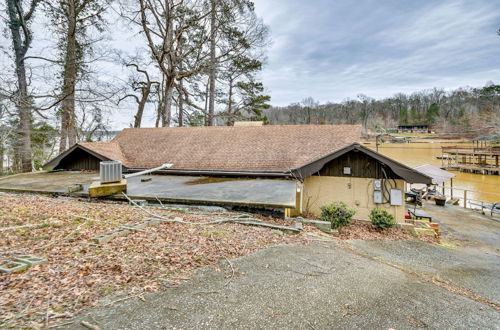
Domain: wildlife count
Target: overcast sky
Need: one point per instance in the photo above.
(334, 49)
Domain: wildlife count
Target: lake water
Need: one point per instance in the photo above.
(480, 187)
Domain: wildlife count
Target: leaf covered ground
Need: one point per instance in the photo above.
(79, 273)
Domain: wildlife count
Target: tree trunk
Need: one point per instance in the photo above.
(207, 97)
(140, 108)
(23, 103)
(24, 122)
(167, 103)
(160, 103)
(2, 152)
(180, 104)
(68, 125)
(230, 119)
(138, 115)
(213, 31)
(158, 115)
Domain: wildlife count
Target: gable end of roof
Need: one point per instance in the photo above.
(407, 173)
(56, 161)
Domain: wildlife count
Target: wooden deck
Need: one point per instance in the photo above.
(454, 150)
(477, 159)
(467, 168)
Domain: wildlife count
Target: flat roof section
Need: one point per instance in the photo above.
(437, 174)
(44, 182)
(168, 188)
(215, 190)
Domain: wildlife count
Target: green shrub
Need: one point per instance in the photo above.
(381, 219)
(337, 213)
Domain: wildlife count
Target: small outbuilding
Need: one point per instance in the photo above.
(326, 161)
(414, 129)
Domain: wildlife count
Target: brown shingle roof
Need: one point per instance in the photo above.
(109, 150)
(264, 148)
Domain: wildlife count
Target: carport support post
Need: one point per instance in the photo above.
(465, 199)
(298, 202)
(443, 190)
(451, 188)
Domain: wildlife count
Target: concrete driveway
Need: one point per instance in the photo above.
(325, 285)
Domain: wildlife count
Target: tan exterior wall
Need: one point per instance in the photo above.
(357, 193)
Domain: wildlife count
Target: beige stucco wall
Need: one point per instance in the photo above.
(356, 192)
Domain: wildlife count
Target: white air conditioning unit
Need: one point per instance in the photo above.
(110, 171)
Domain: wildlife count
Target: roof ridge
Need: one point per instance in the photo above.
(124, 155)
(232, 127)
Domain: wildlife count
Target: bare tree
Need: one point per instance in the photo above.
(189, 40)
(213, 64)
(21, 35)
(452, 111)
(5, 131)
(234, 31)
(72, 20)
(145, 87)
(175, 32)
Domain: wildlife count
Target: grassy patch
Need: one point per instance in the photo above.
(447, 245)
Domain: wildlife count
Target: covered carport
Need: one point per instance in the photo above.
(438, 175)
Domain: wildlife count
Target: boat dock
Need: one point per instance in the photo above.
(480, 158)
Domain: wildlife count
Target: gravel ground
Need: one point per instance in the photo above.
(325, 285)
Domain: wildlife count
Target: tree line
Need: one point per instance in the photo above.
(445, 111)
(197, 63)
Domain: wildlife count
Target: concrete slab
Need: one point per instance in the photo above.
(469, 268)
(467, 227)
(276, 193)
(44, 182)
(205, 190)
(469, 255)
(324, 226)
(321, 286)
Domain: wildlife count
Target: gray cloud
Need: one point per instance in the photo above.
(332, 50)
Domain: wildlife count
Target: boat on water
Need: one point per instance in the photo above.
(445, 157)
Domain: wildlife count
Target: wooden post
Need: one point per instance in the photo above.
(465, 198)
(419, 196)
(444, 193)
(451, 188)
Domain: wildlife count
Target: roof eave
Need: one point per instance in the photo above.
(257, 173)
(57, 160)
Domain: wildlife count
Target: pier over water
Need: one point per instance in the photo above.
(480, 158)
